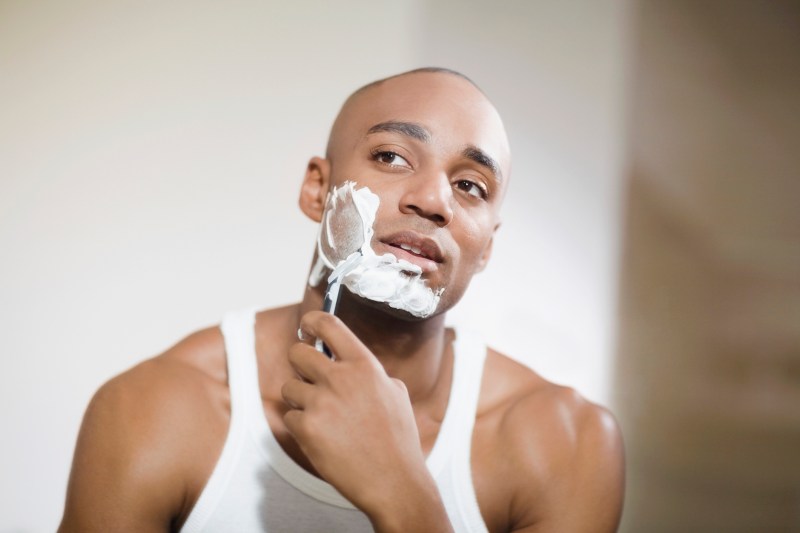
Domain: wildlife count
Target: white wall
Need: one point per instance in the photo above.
(150, 155)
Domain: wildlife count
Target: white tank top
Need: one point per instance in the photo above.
(256, 486)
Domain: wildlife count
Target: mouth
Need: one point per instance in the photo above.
(414, 248)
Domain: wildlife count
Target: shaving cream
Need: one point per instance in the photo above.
(347, 223)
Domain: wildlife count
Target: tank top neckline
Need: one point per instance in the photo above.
(246, 399)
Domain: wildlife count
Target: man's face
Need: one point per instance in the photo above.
(434, 150)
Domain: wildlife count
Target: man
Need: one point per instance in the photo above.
(411, 426)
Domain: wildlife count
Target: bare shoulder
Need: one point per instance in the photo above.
(531, 407)
(562, 466)
(137, 450)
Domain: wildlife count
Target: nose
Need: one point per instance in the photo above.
(429, 196)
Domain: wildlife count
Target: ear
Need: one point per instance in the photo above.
(487, 252)
(314, 190)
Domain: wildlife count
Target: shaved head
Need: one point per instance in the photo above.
(411, 90)
(429, 70)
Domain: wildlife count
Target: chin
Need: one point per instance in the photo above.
(355, 301)
(388, 310)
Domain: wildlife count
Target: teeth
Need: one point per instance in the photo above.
(411, 249)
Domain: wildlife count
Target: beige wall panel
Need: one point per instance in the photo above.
(708, 378)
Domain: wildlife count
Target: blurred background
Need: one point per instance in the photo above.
(707, 373)
(150, 159)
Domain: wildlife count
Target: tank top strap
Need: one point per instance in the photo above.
(455, 434)
(238, 329)
(453, 447)
(470, 356)
(239, 335)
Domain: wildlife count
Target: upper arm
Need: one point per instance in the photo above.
(594, 484)
(122, 478)
(582, 485)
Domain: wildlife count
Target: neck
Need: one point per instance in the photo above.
(410, 350)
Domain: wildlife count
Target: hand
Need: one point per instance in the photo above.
(355, 423)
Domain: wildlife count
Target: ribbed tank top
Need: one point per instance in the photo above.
(256, 486)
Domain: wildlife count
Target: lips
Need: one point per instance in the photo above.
(414, 248)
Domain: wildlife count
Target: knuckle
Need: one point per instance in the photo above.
(326, 322)
(294, 352)
(400, 385)
(306, 429)
(298, 355)
(290, 419)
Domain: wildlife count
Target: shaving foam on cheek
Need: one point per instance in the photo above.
(347, 222)
(345, 229)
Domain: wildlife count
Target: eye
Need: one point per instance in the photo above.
(389, 158)
(472, 189)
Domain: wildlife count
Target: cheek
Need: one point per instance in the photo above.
(474, 238)
(389, 211)
(468, 263)
(363, 172)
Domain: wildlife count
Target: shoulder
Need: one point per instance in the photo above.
(138, 440)
(163, 387)
(563, 453)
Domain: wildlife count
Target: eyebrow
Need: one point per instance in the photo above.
(409, 129)
(419, 132)
(482, 158)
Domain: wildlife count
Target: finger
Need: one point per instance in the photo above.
(297, 393)
(293, 421)
(336, 335)
(308, 362)
(304, 337)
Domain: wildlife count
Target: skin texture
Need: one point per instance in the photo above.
(544, 459)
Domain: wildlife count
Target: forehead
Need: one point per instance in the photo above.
(454, 111)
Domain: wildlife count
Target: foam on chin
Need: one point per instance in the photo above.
(396, 282)
(383, 278)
